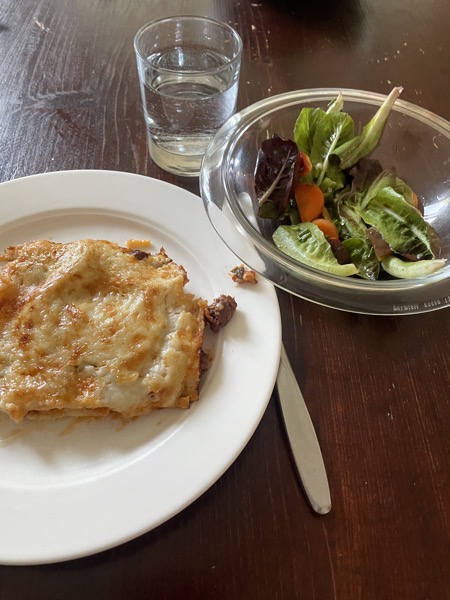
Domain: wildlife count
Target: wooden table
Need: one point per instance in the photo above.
(378, 388)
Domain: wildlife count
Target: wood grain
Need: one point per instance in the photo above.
(378, 388)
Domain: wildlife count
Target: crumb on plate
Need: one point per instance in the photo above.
(241, 274)
(136, 244)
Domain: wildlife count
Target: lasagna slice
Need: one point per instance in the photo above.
(88, 328)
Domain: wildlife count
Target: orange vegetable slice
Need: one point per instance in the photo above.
(327, 227)
(310, 201)
(307, 165)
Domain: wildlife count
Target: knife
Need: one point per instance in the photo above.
(302, 438)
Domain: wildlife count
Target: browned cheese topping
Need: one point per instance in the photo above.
(89, 327)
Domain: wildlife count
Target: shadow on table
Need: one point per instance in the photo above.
(340, 20)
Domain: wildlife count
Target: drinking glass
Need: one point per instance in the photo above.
(189, 74)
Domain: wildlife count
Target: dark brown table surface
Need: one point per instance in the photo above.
(378, 388)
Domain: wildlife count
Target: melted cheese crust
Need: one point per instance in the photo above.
(89, 327)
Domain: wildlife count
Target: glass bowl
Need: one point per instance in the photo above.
(415, 141)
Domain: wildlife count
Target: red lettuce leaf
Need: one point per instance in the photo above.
(277, 171)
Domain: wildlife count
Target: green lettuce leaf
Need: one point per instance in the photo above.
(333, 129)
(350, 223)
(401, 226)
(334, 181)
(306, 243)
(402, 188)
(353, 150)
(411, 270)
(307, 121)
(353, 232)
(366, 186)
(336, 105)
(305, 128)
(363, 257)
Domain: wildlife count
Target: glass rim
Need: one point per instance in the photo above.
(234, 35)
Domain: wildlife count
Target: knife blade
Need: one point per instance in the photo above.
(302, 438)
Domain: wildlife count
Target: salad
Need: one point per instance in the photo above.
(337, 210)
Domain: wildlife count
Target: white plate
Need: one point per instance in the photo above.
(70, 489)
